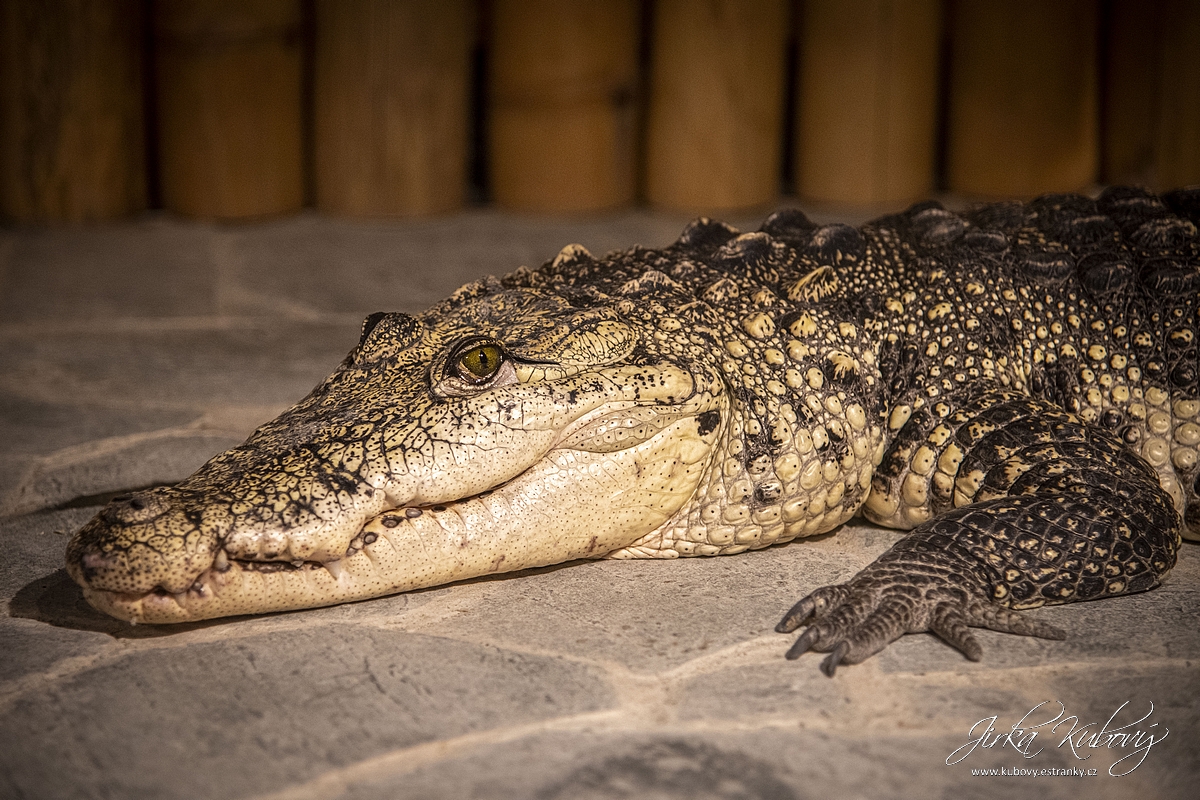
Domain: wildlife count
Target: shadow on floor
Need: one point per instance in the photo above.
(57, 600)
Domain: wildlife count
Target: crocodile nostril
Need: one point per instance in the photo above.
(134, 507)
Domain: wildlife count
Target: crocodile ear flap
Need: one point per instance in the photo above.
(815, 286)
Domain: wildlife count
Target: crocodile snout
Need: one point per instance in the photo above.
(144, 541)
(135, 507)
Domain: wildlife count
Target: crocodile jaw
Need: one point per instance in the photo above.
(579, 501)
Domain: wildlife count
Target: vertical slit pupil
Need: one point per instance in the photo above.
(481, 362)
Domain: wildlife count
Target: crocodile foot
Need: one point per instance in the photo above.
(903, 592)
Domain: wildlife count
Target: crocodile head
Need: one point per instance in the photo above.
(514, 425)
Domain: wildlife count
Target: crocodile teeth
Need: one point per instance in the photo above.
(221, 562)
(335, 569)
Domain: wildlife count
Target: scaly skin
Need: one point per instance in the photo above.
(1016, 386)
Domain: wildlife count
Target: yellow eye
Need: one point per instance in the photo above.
(479, 363)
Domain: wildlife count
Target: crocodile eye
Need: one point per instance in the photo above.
(479, 363)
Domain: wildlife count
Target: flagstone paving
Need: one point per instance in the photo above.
(131, 353)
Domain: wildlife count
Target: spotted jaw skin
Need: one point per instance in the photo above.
(574, 503)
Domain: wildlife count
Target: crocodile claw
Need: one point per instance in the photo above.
(855, 620)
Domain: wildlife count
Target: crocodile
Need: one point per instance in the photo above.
(1015, 385)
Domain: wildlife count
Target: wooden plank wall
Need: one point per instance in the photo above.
(241, 109)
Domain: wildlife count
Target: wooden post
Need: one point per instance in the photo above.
(561, 129)
(1023, 116)
(390, 106)
(1178, 141)
(71, 110)
(1152, 94)
(714, 135)
(1133, 56)
(228, 85)
(866, 110)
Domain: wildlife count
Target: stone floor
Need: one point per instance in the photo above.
(131, 353)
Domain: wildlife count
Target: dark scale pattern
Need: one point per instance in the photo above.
(1017, 385)
(1062, 476)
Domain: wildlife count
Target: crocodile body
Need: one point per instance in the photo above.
(1016, 385)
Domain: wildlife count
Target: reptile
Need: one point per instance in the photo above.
(1014, 385)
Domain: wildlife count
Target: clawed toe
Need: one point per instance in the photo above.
(830, 664)
(803, 644)
(815, 605)
(854, 621)
(796, 616)
(1005, 620)
(950, 626)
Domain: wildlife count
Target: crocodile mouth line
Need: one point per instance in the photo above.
(210, 580)
(160, 605)
(474, 534)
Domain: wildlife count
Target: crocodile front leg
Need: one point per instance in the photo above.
(1033, 506)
